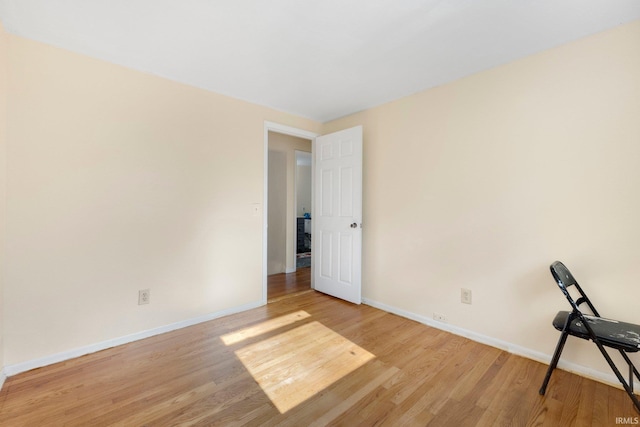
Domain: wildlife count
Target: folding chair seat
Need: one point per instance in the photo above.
(621, 336)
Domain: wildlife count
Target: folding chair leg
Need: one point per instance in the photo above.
(554, 361)
(632, 368)
(627, 387)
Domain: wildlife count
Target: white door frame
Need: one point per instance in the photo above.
(300, 133)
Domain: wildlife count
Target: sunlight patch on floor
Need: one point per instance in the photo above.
(264, 327)
(293, 366)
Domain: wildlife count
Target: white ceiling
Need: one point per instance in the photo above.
(320, 59)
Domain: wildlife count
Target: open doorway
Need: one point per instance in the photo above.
(336, 171)
(289, 214)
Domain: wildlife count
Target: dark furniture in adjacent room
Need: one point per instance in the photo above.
(300, 246)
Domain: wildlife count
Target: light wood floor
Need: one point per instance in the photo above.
(285, 284)
(306, 360)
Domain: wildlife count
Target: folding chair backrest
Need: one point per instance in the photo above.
(565, 279)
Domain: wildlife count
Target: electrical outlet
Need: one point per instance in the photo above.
(465, 296)
(439, 317)
(144, 296)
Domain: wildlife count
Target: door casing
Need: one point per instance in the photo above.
(287, 130)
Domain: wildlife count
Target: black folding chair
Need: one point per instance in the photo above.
(624, 337)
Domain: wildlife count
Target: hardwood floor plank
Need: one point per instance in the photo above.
(358, 394)
(427, 371)
(584, 412)
(496, 383)
(600, 415)
(432, 394)
(283, 285)
(461, 390)
(455, 413)
(526, 375)
(571, 400)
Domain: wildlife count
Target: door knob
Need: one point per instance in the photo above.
(354, 225)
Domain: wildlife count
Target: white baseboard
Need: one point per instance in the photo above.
(3, 377)
(290, 270)
(81, 351)
(609, 379)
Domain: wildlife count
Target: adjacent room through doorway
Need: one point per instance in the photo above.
(289, 215)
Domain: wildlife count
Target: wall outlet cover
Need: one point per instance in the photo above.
(144, 296)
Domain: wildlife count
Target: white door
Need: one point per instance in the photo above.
(337, 238)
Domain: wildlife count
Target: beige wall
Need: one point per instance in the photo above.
(3, 174)
(289, 144)
(483, 182)
(277, 218)
(120, 181)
